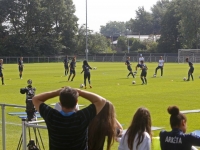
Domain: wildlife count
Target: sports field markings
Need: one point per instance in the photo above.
(190, 111)
(11, 123)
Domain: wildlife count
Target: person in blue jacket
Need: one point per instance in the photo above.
(177, 139)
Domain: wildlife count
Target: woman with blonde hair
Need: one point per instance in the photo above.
(138, 136)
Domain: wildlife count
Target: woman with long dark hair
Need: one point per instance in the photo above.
(138, 135)
(86, 70)
(177, 139)
(102, 126)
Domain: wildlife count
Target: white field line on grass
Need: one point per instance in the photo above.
(11, 123)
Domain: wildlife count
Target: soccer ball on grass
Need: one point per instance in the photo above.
(184, 79)
(81, 85)
(133, 82)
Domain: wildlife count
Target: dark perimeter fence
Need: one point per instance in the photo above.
(149, 57)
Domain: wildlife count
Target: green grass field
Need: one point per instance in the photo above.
(109, 80)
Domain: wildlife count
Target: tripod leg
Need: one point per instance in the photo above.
(41, 138)
(29, 132)
(20, 143)
(36, 139)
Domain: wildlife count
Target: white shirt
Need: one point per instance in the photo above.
(145, 145)
(141, 59)
(161, 62)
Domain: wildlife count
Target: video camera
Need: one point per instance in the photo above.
(30, 93)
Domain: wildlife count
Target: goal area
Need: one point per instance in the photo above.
(192, 54)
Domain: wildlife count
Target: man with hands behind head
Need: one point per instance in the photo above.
(68, 129)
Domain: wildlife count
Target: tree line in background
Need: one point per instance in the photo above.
(49, 27)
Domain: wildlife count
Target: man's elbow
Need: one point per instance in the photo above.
(34, 100)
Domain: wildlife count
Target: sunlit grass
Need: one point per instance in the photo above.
(108, 80)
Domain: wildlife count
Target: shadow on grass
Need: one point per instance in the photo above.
(63, 81)
(138, 84)
(12, 79)
(60, 76)
(126, 78)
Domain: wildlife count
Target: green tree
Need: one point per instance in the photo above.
(122, 43)
(35, 27)
(151, 46)
(189, 25)
(80, 40)
(137, 45)
(168, 41)
(97, 43)
(158, 11)
(113, 28)
(143, 23)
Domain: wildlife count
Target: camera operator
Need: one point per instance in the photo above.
(30, 93)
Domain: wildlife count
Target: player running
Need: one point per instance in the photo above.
(21, 66)
(86, 70)
(143, 73)
(128, 64)
(72, 69)
(160, 65)
(191, 70)
(139, 63)
(1, 71)
(66, 65)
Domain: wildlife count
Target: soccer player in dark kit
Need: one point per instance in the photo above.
(72, 69)
(191, 70)
(66, 65)
(86, 70)
(143, 73)
(21, 66)
(1, 72)
(128, 64)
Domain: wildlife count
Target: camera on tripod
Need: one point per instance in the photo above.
(30, 93)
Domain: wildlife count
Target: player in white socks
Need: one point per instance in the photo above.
(160, 65)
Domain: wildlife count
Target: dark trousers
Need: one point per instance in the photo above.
(161, 68)
(86, 76)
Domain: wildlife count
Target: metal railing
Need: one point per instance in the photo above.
(25, 124)
(149, 57)
(4, 122)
